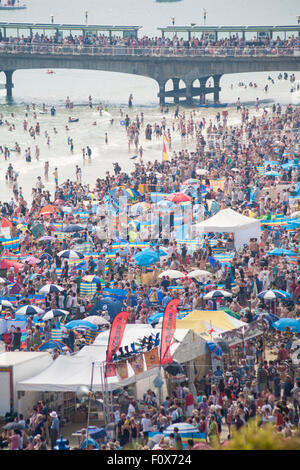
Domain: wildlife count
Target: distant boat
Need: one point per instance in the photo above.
(13, 7)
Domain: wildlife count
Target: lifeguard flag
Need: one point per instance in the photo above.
(168, 330)
(165, 153)
(115, 339)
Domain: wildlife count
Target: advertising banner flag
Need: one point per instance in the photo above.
(122, 369)
(168, 330)
(115, 339)
(151, 358)
(137, 363)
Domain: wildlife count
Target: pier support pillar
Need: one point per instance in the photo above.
(217, 88)
(9, 84)
(202, 81)
(161, 93)
(189, 92)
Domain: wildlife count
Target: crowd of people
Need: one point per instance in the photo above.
(259, 381)
(106, 44)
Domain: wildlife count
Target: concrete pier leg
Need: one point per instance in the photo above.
(161, 94)
(176, 89)
(9, 84)
(217, 87)
(188, 92)
(202, 81)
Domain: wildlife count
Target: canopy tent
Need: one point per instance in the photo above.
(228, 220)
(67, 373)
(210, 324)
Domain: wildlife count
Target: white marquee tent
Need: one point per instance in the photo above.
(228, 220)
(67, 373)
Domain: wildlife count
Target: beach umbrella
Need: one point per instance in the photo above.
(273, 294)
(80, 324)
(47, 210)
(97, 320)
(14, 425)
(214, 348)
(7, 263)
(146, 257)
(281, 252)
(284, 323)
(199, 274)
(70, 254)
(108, 304)
(183, 428)
(32, 260)
(49, 288)
(29, 310)
(57, 312)
(178, 197)
(6, 304)
(269, 317)
(172, 274)
(174, 368)
(214, 294)
(72, 228)
(191, 182)
(46, 256)
(46, 238)
(94, 279)
(53, 344)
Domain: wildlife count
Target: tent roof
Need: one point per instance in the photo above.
(227, 220)
(8, 359)
(67, 373)
(200, 321)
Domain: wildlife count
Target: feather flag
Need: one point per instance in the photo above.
(165, 153)
(115, 339)
(168, 330)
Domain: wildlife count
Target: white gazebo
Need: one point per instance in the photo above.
(244, 228)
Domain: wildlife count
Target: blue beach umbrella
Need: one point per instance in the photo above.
(81, 324)
(53, 344)
(273, 294)
(146, 257)
(29, 310)
(280, 252)
(291, 323)
(214, 348)
(55, 313)
(111, 305)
